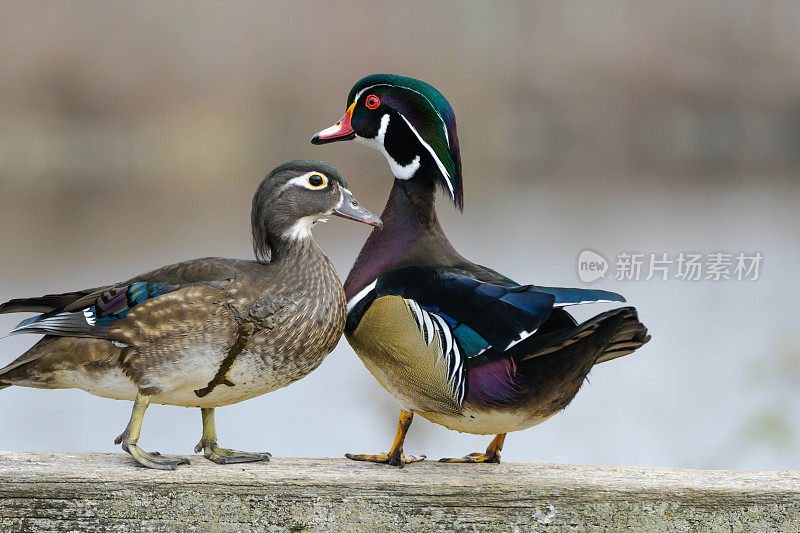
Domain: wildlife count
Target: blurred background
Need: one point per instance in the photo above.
(133, 135)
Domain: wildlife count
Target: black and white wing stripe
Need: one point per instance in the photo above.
(429, 324)
(76, 324)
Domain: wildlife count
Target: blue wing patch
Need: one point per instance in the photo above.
(95, 320)
(116, 303)
(564, 296)
(479, 315)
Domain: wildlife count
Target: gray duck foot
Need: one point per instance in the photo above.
(224, 456)
(130, 436)
(153, 460)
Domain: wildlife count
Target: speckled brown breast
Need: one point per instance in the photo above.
(289, 333)
(282, 329)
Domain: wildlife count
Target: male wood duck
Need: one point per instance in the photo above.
(458, 343)
(208, 332)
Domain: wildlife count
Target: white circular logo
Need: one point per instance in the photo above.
(591, 266)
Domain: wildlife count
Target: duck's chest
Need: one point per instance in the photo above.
(410, 366)
(284, 336)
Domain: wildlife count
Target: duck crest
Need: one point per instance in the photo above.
(429, 116)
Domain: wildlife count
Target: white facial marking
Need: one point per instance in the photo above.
(384, 127)
(444, 124)
(439, 163)
(302, 228)
(302, 181)
(360, 296)
(407, 171)
(403, 172)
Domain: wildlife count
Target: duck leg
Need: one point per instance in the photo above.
(130, 437)
(212, 452)
(395, 456)
(491, 455)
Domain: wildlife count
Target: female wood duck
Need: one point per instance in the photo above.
(456, 342)
(207, 332)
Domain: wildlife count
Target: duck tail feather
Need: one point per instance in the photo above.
(620, 326)
(628, 336)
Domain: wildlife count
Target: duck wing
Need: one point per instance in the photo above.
(480, 315)
(470, 316)
(48, 302)
(186, 337)
(92, 312)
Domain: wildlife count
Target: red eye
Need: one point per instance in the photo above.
(372, 102)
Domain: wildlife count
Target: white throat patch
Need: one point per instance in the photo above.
(302, 228)
(403, 172)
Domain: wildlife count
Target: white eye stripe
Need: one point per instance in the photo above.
(408, 171)
(302, 181)
(444, 124)
(442, 169)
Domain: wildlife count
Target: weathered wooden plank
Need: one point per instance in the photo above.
(107, 492)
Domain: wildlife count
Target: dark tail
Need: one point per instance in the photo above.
(621, 327)
(629, 335)
(47, 303)
(4, 384)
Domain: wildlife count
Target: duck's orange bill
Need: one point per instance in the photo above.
(341, 131)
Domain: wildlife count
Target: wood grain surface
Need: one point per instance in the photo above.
(108, 492)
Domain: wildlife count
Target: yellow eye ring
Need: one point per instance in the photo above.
(317, 181)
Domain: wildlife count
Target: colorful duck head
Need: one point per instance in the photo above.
(410, 123)
(294, 197)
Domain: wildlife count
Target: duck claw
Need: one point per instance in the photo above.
(476, 457)
(153, 460)
(399, 460)
(223, 456)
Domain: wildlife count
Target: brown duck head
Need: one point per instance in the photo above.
(294, 197)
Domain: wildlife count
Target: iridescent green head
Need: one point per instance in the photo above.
(407, 120)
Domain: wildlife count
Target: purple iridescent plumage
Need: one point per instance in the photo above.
(495, 382)
(112, 301)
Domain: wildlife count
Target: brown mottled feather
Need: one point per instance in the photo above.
(211, 331)
(289, 315)
(178, 337)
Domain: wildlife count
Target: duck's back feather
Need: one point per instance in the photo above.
(92, 312)
(480, 315)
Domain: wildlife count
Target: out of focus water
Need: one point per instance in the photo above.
(133, 136)
(710, 389)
